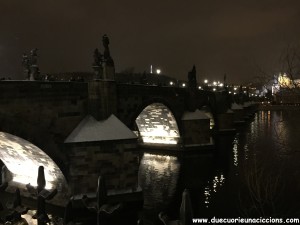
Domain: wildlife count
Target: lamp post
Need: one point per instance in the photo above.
(205, 84)
(158, 71)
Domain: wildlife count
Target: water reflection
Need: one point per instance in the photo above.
(235, 151)
(263, 141)
(158, 176)
(212, 187)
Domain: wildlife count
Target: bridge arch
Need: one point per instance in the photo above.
(22, 160)
(156, 123)
(24, 147)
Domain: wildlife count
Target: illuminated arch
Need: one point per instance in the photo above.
(22, 159)
(157, 124)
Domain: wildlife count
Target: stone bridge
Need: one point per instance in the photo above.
(79, 130)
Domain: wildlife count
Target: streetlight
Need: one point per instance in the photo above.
(158, 71)
(183, 85)
(205, 81)
(214, 83)
(171, 83)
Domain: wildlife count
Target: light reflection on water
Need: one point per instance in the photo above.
(158, 176)
(212, 187)
(269, 137)
(235, 151)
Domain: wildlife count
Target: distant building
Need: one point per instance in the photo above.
(285, 90)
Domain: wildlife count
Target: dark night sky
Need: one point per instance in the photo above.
(217, 36)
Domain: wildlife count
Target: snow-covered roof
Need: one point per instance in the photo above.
(236, 106)
(197, 115)
(89, 130)
(247, 104)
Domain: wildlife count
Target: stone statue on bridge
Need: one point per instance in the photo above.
(97, 58)
(106, 55)
(30, 67)
(33, 56)
(192, 78)
(97, 64)
(26, 65)
(103, 65)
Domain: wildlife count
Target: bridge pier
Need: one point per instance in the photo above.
(107, 148)
(102, 98)
(195, 129)
(226, 122)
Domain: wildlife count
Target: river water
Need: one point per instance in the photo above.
(254, 173)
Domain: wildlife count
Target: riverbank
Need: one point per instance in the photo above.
(278, 107)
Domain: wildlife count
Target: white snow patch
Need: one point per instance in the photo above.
(236, 106)
(89, 129)
(197, 115)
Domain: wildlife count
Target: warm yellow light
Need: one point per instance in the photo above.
(284, 81)
(157, 124)
(22, 159)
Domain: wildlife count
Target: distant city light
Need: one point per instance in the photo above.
(199, 87)
(229, 92)
(214, 89)
(245, 92)
(234, 93)
(234, 88)
(221, 84)
(205, 81)
(171, 83)
(158, 71)
(215, 83)
(183, 84)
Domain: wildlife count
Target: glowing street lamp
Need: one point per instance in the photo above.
(158, 71)
(214, 89)
(200, 87)
(214, 83)
(205, 81)
(171, 83)
(183, 85)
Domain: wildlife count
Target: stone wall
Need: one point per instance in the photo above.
(43, 113)
(195, 131)
(117, 161)
(54, 106)
(102, 99)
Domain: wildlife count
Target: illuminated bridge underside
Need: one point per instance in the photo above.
(22, 159)
(157, 124)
